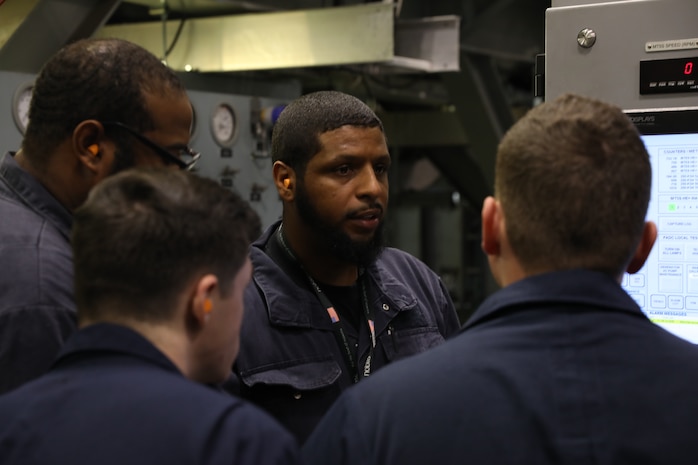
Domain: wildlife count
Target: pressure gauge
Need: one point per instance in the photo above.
(224, 125)
(20, 106)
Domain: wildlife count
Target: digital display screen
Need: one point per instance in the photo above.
(669, 76)
(666, 288)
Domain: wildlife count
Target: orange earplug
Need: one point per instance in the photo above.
(208, 306)
(287, 182)
(94, 149)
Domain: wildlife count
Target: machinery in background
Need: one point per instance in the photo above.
(643, 56)
(233, 134)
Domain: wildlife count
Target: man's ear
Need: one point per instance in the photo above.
(491, 226)
(285, 180)
(88, 145)
(649, 235)
(202, 303)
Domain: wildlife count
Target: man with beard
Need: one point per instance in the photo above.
(98, 107)
(329, 305)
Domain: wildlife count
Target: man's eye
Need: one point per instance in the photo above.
(381, 169)
(344, 169)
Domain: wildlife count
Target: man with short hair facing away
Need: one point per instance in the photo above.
(161, 264)
(329, 304)
(98, 106)
(560, 366)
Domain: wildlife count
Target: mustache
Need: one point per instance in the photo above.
(374, 208)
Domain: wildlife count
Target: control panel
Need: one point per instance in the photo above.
(234, 137)
(635, 54)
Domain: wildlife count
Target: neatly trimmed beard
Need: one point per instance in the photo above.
(336, 240)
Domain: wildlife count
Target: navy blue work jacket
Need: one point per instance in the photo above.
(37, 311)
(561, 368)
(290, 361)
(113, 399)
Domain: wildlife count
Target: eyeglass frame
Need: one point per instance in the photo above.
(159, 149)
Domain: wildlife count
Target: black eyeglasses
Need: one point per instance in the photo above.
(185, 158)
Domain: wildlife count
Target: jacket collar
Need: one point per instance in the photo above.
(585, 287)
(112, 338)
(291, 305)
(34, 195)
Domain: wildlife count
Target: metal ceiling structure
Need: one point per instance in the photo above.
(300, 39)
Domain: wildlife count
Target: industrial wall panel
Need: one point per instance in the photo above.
(610, 68)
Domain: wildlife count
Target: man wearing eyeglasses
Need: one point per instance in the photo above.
(99, 106)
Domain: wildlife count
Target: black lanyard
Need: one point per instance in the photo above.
(337, 323)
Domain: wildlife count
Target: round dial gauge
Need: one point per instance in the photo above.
(224, 125)
(20, 106)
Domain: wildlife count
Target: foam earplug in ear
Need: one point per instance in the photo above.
(208, 306)
(287, 182)
(94, 149)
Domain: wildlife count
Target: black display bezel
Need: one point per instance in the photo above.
(667, 76)
(665, 120)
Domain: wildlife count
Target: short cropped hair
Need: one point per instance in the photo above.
(573, 177)
(295, 137)
(102, 79)
(143, 235)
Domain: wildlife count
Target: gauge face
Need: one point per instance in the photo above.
(20, 106)
(224, 125)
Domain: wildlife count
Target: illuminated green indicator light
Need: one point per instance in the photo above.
(672, 207)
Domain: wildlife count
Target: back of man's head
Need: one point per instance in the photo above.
(573, 177)
(295, 135)
(101, 79)
(143, 236)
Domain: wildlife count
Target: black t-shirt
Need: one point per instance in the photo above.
(345, 299)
